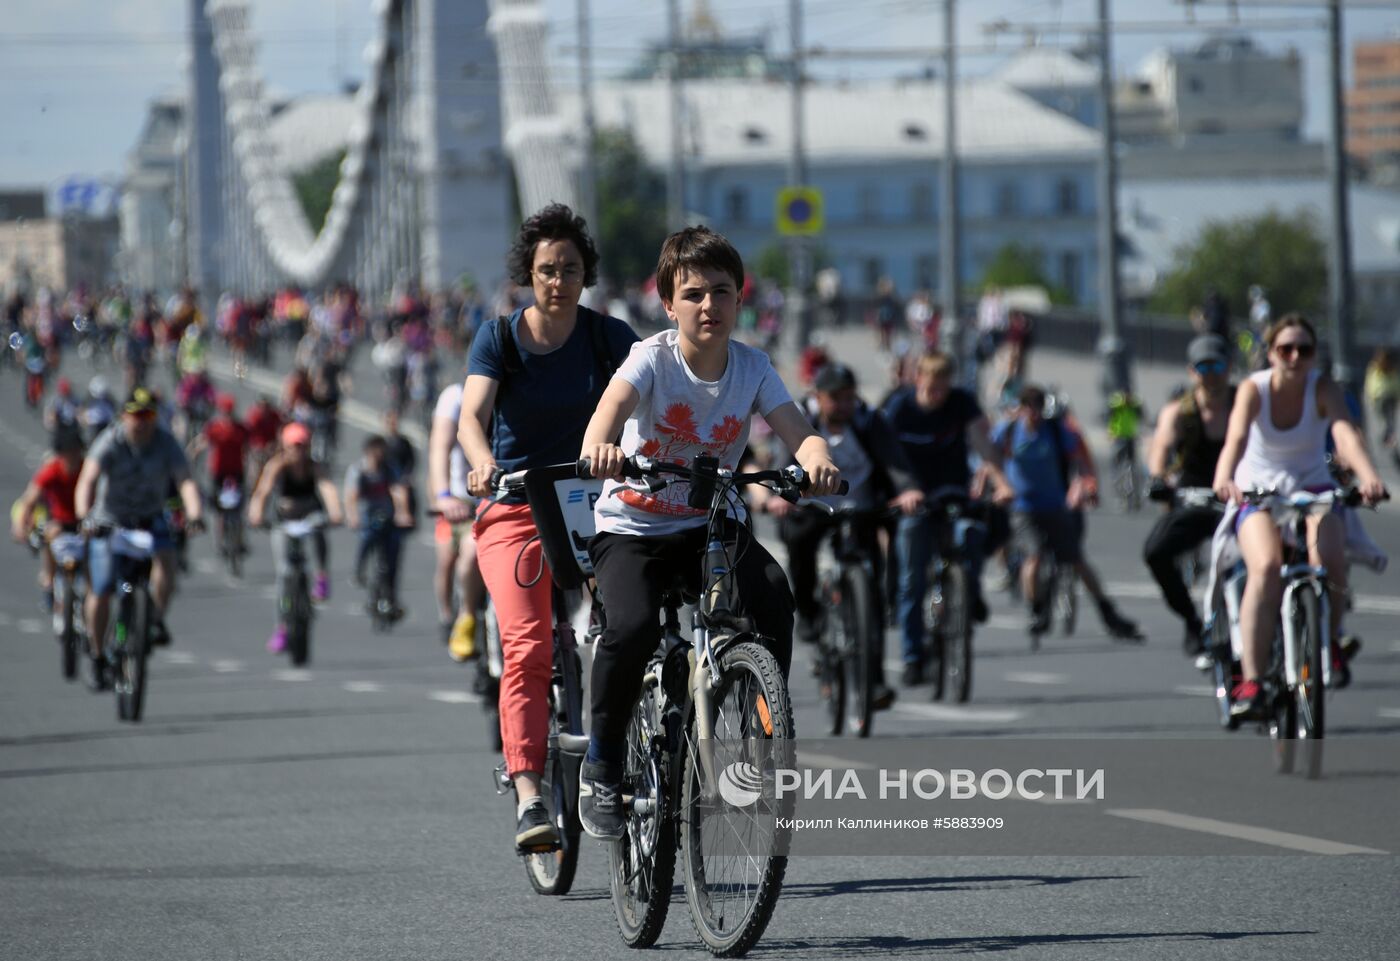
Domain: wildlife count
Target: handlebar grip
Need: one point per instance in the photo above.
(584, 468)
(844, 488)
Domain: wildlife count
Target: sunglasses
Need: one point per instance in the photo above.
(1205, 367)
(1304, 351)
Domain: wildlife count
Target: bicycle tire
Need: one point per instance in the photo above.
(641, 887)
(299, 622)
(233, 536)
(1283, 732)
(1309, 694)
(754, 666)
(1066, 599)
(933, 633)
(551, 873)
(131, 683)
(1222, 668)
(68, 636)
(831, 674)
(957, 635)
(861, 634)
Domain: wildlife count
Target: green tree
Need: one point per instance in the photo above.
(1015, 265)
(1285, 254)
(631, 209)
(315, 185)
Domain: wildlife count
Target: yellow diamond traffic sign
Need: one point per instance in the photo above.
(800, 211)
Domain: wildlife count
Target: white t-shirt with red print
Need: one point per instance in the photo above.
(678, 416)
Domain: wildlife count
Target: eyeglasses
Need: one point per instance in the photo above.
(1206, 367)
(1304, 351)
(569, 275)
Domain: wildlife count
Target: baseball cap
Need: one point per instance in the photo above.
(834, 377)
(141, 401)
(226, 403)
(1206, 348)
(294, 434)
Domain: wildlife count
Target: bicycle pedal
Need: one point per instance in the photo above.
(533, 849)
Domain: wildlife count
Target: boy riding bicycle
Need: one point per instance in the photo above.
(680, 393)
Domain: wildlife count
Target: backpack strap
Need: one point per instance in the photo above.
(510, 353)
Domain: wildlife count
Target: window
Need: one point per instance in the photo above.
(1008, 201)
(921, 201)
(1069, 273)
(736, 205)
(926, 271)
(869, 202)
(872, 269)
(1067, 196)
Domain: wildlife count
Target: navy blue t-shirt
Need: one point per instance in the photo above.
(543, 409)
(935, 441)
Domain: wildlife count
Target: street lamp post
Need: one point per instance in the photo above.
(1117, 375)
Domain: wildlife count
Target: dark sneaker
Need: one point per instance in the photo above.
(1350, 646)
(1341, 668)
(1119, 627)
(97, 677)
(600, 802)
(882, 697)
(979, 610)
(1247, 701)
(1040, 622)
(160, 637)
(1191, 644)
(913, 674)
(536, 832)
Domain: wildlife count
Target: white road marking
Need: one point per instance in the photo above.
(453, 697)
(291, 674)
(30, 625)
(1393, 713)
(1132, 589)
(227, 667)
(363, 687)
(1035, 677)
(971, 715)
(813, 759)
(1376, 605)
(1394, 645)
(206, 565)
(1244, 832)
(1195, 690)
(178, 657)
(1006, 622)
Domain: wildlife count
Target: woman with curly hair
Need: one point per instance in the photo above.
(533, 380)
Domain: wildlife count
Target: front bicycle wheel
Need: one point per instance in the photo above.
(68, 635)
(735, 854)
(642, 864)
(299, 622)
(862, 637)
(831, 667)
(551, 872)
(132, 651)
(1309, 692)
(957, 634)
(1066, 599)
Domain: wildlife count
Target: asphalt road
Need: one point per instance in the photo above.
(346, 811)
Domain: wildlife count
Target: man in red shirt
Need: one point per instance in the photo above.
(227, 442)
(54, 483)
(264, 423)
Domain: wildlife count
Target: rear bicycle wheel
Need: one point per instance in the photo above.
(1065, 599)
(1310, 706)
(861, 639)
(233, 538)
(642, 864)
(68, 638)
(552, 872)
(957, 634)
(735, 857)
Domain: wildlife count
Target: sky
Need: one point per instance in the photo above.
(76, 75)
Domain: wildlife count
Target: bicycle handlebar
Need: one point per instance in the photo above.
(789, 480)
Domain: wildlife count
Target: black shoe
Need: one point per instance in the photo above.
(1191, 643)
(160, 637)
(600, 802)
(979, 610)
(1040, 622)
(536, 832)
(1119, 627)
(913, 674)
(98, 679)
(882, 698)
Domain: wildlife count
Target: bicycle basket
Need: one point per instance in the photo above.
(561, 505)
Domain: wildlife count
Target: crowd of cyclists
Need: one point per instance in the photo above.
(551, 380)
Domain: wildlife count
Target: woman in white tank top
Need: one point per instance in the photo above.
(1277, 438)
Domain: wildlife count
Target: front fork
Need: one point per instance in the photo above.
(1317, 583)
(704, 678)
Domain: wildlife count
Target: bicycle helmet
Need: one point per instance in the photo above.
(98, 389)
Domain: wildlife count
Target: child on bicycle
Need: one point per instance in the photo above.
(52, 486)
(683, 392)
(376, 501)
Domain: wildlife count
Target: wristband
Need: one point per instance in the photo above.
(445, 492)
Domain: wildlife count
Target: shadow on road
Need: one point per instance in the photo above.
(225, 762)
(885, 946)
(980, 882)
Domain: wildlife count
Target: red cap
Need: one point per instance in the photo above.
(65, 386)
(226, 403)
(294, 434)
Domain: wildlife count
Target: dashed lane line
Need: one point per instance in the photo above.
(1244, 832)
(227, 667)
(29, 625)
(178, 657)
(1035, 677)
(1195, 690)
(363, 687)
(291, 675)
(968, 715)
(454, 697)
(1390, 713)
